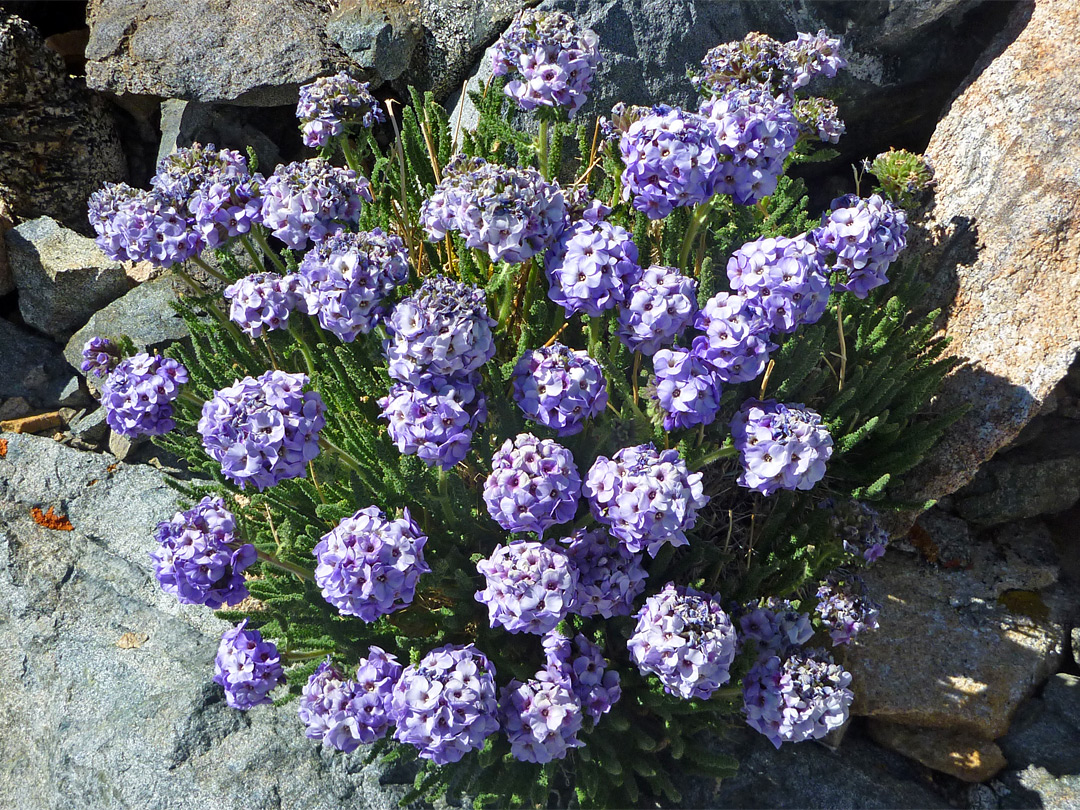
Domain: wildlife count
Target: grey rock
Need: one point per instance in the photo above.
(1035, 786)
(91, 428)
(123, 447)
(1046, 730)
(253, 52)
(144, 314)
(58, 142)
(90, 724)
(62, 276)
(379, 36)
(15, 408)
(34, 367)
(7, 280)
(74, 395)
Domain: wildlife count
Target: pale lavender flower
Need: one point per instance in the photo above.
(845, 609)
(99, 357)
(580, 666)
(736, 341)
(862, 237)
(307, 200)
(137, 395)
(248, 667)
(609, 576)
(687, 389)
(657, 309)
(435, 420)
(331, 103)
(530, 587)
(541, 720)
(534, 485)
(591, 267)
(775, 626)
(262, 302)
(559, 388)
(780, 446)
(783, 278)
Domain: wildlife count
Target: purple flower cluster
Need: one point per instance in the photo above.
(763, 63)
(609, 576)
(646, 498)
(845, 609)
(262, 302)
(534, 485)
(512, 214)
(801, 698)
(559, 388)
(736, 341)
(346, 277)
(776, 627)
(530, 587)
(137, 395)
(436, 419)
(330, 103)
(863, 237)
(658, 307)
(687, 389)
(137, 225)
(856, 526)
(368, 566)
(672, 159)
(580, 666)
(550, 59)
(247, 667)
(819, 118)
(815, 55)
(591, 267)
(263, 430)
(783, 278)
(200, 560)
(541, 720)
(345, 713)
(780, 446)
(305, 201)
(685, 638)
(755, 132)
(442, 330)
(99, 357)
(445, 705)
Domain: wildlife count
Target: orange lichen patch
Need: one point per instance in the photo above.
(51, 520)
(921, 539)
(132, 641)
(3, 448)
(112, 467)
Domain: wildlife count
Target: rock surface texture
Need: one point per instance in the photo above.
(1005, 243)
(58, 143)
(108, 700)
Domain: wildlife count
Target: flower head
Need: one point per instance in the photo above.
(609, 576)
(591, 267)
(541, 719)
(262, 302)
(862, 237)
(344, 713)
(780, 446)
(436, 419)
(559, 388)
(305, 201)
(819, 118)
(775, 626)
(263, 430)
(580, 666)
(137, 225)
(330, 103)
(687, 389)
(815, 55)
(736, 342)
(784, 279)
(200, 560)
(856, 526)
(534, 484)
(530, 587)
(845, 608)
(247, 667)
(368, 566)
(99, 357)
(137, 395)
(658, 307)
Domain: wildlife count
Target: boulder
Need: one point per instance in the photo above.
(108, 699)
(251, 52)
(955, 752)
(7, 280)
(62, 276)
(1003, 251)
(34, 368)
(380, 36)
(144, 314)
(1046, 731)
(58, 143)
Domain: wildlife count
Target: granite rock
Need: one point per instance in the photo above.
(1046, 731)
(34, 367)
(381, 36)
(62, 276)
(955, 752)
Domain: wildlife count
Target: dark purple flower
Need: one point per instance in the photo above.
(845, 608)
(344, 713)
(775, 626)
(559, 388)
(534, 484)
(580, 666)
(247, 667)
(99, 357)
(137, 395)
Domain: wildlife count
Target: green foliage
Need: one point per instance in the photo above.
(871, 385)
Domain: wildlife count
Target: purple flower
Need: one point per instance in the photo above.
(685, 638)
(801, 698)
(541, 720)
(512, 214)
(263, 430)
(819, 118)
(736, 341)
(442, 330)
(530, 587)
(136, 225)
(200, 559)
(755, 132)
(534, 484)
(783, 278)
(813, 55)
(309, 199)
(609, 576)
(137, 395)
(330, 103)
(435, 420)
(591, 267)
(856, 526)
(247, 667)
(863, 237)
(549, 58)
(657, 309)
(646, 498)
(345, 713)
(780, 446)
(346, 277)
(775, 626)
(262, 302)
(756, 61)
(559, 388)
(672, 159)
(687, 389)
(445, 706)
(99, 357)
(581, 668)
(368, 566)
(845, 608)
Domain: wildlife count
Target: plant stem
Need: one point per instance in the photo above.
(199, 260)
(701, 215)
(309, 358)
(843, 344)
(348, 460)
(292, 657)
(191, 399)
(254, 254)
(260, 240)
(351, 157)
(542, 149)
(270, 559)
(715, 455)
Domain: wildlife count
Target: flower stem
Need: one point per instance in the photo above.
(254, 254)
(542, 149)
(701, 215)
(260, 240)
(349, 461)
(309, 358)
(270, 559)
(351, 158)
(843, 345)
(191, 399)
(721, 452)
(199, 260)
